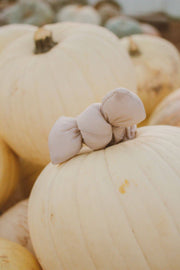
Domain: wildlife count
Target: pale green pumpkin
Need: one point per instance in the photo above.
(123, 26)
(29, 12)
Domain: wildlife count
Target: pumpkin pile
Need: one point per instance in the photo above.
(82, 185)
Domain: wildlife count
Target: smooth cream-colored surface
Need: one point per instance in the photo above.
(157, 68)
(10, 33)
(36, 90)
(115, 209)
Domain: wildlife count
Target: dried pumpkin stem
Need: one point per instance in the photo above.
(43, 41)
(133, 48)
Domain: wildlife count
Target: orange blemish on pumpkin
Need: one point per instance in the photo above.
(122, 189)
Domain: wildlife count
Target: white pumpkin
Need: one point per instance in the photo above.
(116, 208)
(157, 64)
(168, 111)
(9, 173)
(9, 33)
(78, 13)
(85, 63)
(14, 226)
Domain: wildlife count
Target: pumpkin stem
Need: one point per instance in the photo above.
(43, 41)
(133, 48)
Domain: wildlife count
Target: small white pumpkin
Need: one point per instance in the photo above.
(168, 111)
(14, 226)
(157, 64)
(78, 13)
(62, 78)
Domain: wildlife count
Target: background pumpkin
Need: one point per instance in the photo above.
(9, 33)
(149, 29)
(29, 12)
(107, 9)
(168, 111)
(16, 257)
(157, 64)
(116, 208)
(78, 13)
(9, 173)
(14, 226)
(57, 4)
(123, 26)
(86, 63)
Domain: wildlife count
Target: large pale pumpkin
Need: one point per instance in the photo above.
(78, 13)
(111, 209)
(16, 257)
(157, 64)
(168, 111)
(9, 173)
(85, 62)
(9, 33)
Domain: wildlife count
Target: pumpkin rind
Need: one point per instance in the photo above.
(116, 208)
(9, 33)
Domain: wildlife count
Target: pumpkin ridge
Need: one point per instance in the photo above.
(173, 170)
(124, 211)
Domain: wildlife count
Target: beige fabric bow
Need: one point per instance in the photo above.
(101, 124)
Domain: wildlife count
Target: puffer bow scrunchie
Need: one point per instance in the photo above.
(101, 124)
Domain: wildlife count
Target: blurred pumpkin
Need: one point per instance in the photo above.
(78, 13)
(149, 29)
(9, 173)
(116, 208)
(168, 111)
(9, 33)
(57, 4)
(14, 225)
(123, 26)
(157, 64)
(54, 78)
(16, 257)
(29, 12)
(107, 9)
